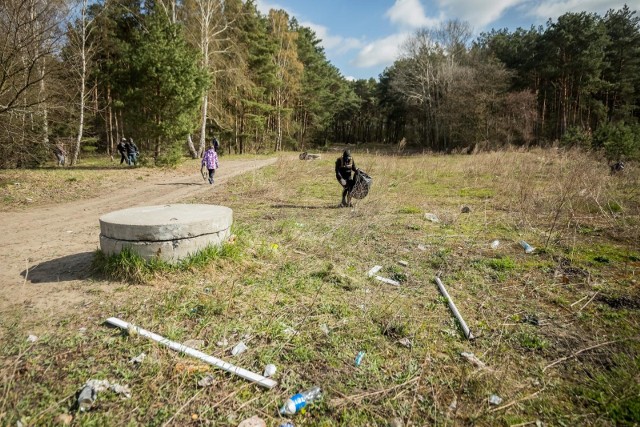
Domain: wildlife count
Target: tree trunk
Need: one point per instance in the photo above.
(83, 77)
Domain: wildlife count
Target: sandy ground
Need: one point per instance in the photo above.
(46, 252)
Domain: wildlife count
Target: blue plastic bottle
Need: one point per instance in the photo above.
(298, 401)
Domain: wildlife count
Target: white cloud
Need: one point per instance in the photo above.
(478, 13)
(410, 13)
(337, 44)
(265, 6)
(380, 52)
(554, 8)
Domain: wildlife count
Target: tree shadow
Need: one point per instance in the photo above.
(66, 268)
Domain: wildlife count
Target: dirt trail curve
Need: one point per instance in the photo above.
(46, 252)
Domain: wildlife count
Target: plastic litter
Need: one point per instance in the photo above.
(269, 370)
(527, 247)
(374, 270)
(405, 342)
(89, 392)
(222, 343)
(422, 248)
(495, 399)
(495, 244)
(287, 424)
(324, 328)
(254, 421)
(138, 359)
(403, 263)
(359, 358)
(206, 381)
(361, 186)
(298, 401)
(239, 349)
(431, 217)
(32, 338)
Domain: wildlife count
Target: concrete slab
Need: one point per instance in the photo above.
(170, 251)
(165, 222)
(167, 232)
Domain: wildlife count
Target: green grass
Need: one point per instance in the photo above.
(298, 269)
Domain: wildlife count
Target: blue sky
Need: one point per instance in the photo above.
(363, 37)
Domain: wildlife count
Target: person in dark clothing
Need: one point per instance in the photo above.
(216, 144)
(132, 152)
(122, 149)
(344, 166)
(60, 153)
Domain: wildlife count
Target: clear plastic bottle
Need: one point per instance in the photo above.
(298, 401)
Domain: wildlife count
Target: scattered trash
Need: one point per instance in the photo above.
(403, 263)
(359, 358)
(64, 419)
(226, 366)
(453, 406)
(539, 423)
(239, 349)
(527, 247)
(222, 343)
(465, 209)
(298, 401)
(422, 248)
(206, 381)
(396, 422)
(197, 344)
(32, 338)
(324, 328)
(374, 270)
(82, 330)
(387, 281)
(287, 424)
(308, 156)
(254, 421)
(274, 246)
(86, 398)
(138, 359)
(269, 370)
(405, 342)
(89, 392)
(194, 417)
(474, 360)
(454, 309)
(289, 331)
(432, 217)
(495, 244)
(495, 399)
(531, 319)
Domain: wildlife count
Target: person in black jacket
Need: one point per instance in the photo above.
(122, 149)
(344, 166)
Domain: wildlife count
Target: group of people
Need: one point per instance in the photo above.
(128, 151)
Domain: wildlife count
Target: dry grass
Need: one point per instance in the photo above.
(300, 263)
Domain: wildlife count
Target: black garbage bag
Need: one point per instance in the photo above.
(361, 186)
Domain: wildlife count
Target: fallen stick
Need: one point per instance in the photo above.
(218, 363)
(562, 359)
(581, 299)
(452, 306)
(587, 303)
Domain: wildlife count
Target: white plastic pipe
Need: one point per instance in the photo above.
(218, 363)
(452, 306)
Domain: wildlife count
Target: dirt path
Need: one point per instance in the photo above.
(46, 253)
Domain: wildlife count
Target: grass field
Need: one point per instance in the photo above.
(557, 329)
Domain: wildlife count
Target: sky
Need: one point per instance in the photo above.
(363, 37)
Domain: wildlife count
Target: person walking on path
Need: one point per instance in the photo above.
(132, 152)
(60, 153)
(122, 149)
(344, 166)
(210, 161)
